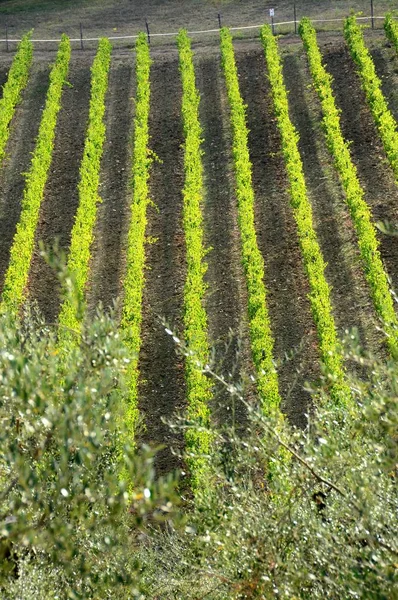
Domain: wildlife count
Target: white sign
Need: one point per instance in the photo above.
(271, 12)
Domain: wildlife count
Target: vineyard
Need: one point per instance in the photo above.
(236, 197)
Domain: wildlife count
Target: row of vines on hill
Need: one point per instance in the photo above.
(371, 85)
(70, 319)
(22, 248)
(331, 355)
(16, 82)
(198, 442)
(133, 284)
(391, 29)
(360, 212)
(262, 342)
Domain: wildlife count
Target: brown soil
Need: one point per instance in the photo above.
(3, 76)
(162, 387)
(285, 280)
(113, 213)
(368, 154)
(21, 143)
(61, 196)
(226, 302)
(386, 63)
(350, 293)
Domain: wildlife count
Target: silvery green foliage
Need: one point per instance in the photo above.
(68, 519)
(320, 525)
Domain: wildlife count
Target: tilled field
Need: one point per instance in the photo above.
(162, 387)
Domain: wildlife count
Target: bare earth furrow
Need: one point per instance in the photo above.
(162, 387)
(19, 154)
(226, 298)
(287, 284)
(112, 219)
(61, 196)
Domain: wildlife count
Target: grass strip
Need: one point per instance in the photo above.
(12, 90)
(262, 342)
(371, 85)
(22, 248)
(134, 280)
(360, 212)
(391, 30)
(82, 235)
(198, 440)
(331, 356)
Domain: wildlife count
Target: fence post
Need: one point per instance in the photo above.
(372, 14)
(81, 37)
(272, 25)
(7, 46)
(295, 18)
(219, 21)
(147, 31)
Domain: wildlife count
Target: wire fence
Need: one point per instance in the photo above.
(82, 39)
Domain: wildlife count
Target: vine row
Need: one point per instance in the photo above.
(195, 319)
(70, 317)
(22, 248)
(12, 90)
(331, 355)
(360, 212)
(262, 341)
(371, 85)
(134, 280)
(391, 29)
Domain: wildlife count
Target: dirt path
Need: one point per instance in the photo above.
(61, 196)
(285, 280)
(226, 300)
(381, 192)
(162, 387)
(113, 213)
(20, 146)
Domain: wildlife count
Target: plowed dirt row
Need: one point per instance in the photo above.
(291, 320)
(113, 213)
(226, 302)
(61, 196)
(21, 143)
(162, 387)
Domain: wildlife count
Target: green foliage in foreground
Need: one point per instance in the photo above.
(312, 256)
(70, 529)
(22, 248)
(262, 342)
(371, 85)
(360, 212)
(12, 90)
(195, 318)
(332, 536)
(134, 279)
(67, 522)
(82, 235)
